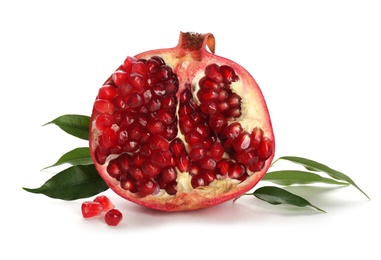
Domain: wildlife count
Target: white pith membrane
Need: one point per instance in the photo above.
(248, 120)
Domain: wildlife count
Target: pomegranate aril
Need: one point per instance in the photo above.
(208, 84)
(183, 162)
(135, 100)
(236, 171)
(147, 187)
(113, 217)
(124, 162)
(223, 166)
(208, 163)
(209, 176)
(198, 180)
(139, 68)
(127, 64)
(107, 92)
(125, 89)
(217, 151)
(158, 142)
(104, 106)
(154, 104)
(150, 169)
(105, 202)
(242, 142)
(91, 209)
(228, 74)
(162, 159)
(168, 175)
(104, 121)
(138, 82)
(136, 173)
(212, 71)
(108, 138)
(256, 137)
(233, 130)
(177, 147)
(171, 188)
(120, 77)
(128, 184)
(155, 126)
(113, 168)
(197, 152)
(265, 149)
(217, 122)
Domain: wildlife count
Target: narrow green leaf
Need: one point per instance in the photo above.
(76, 125)
(290, 177)
(76, 182)
(316, 166)
(276, 196)
(77, 156)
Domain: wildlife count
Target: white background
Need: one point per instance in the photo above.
(318, 64)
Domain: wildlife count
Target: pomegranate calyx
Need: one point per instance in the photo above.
(195, 44)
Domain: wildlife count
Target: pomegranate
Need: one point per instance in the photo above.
(181, 128)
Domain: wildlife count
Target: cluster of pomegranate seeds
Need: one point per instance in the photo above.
(101, 204)
(137, 120)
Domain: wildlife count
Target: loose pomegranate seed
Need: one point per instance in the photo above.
(113, 217)
(91, 209)
(105, 202)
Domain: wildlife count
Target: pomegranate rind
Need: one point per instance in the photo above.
(255, 114)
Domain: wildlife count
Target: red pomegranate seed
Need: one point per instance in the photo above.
(104, 106)
(120, 77)
(147, 187)
(113, 217)
(105, 202)
(104, 121)
(233, 130)
(242, 142)
(113, 168)
(208, 163)
(107, 92)
(125, 89)
(265, 148)
(91, 209)
(150, 169)
(155, 126)
(212, 71)
(228, 74)
(135, 100)
(198, 180)
(197, 152)
(183, 162)
(177, 147)
(168, 175)
(129, 184)
(158, 142)
(223, 166)
(136, 173)
(217, 151)
(237, 170)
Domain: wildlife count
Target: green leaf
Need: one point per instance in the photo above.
(276, 196)
(290, 177)
(76, 182)
(76, 125)
(77, 156)
(313, 165)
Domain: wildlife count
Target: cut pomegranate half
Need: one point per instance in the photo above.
(181, 128)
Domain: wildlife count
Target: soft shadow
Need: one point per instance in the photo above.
(245, 209)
